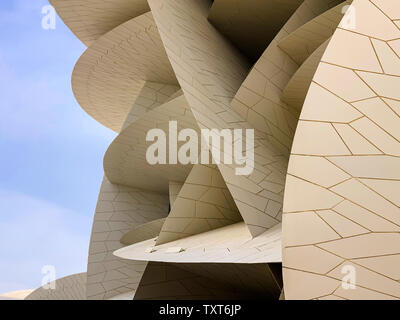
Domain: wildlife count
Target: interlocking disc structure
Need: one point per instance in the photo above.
(317, 80)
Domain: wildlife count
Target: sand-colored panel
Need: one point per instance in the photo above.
(111, 73)
(126, 161)
(331, 107)
(329, 143)
(358, 70)
(386, 265)
(360, 54)
(317, 261)
(119, 210)
(306, 228)
(229, 244)
(16, 295)
(324, 104)
(343, 226)
(150, 97)
(387, 57)
(367, 245)
(89, 20)
(143, 232)
(305, 285)
(365, 218)
(367, 10)
(200, 206)
(174, 188)
(356, 143)
(296, 89)
(304, 40)
(316, 170)
(71, 287)
(342, 82)
(369, 279)
(209, 81)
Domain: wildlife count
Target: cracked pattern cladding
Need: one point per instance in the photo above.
(323, 99)
(118, 211)
(111, 73)
(90, 19)
(341, 200)
(72, 287)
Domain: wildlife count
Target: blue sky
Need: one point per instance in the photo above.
(50, 150)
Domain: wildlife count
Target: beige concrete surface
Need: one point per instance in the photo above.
(119, 210)
(15, 295)
(203, 203)
(229, 244)
(90, 19)
(111, 73)
(125, 161)
(318, 85)
(341, 204)
(143, 232)
(72, 287)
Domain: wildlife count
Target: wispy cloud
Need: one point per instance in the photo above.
(34, 233)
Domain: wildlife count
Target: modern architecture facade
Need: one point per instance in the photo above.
(318, 81)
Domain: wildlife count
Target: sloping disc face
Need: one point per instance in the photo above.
(341, 209)
(90, 19)
(111, 73)
(125, 161)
